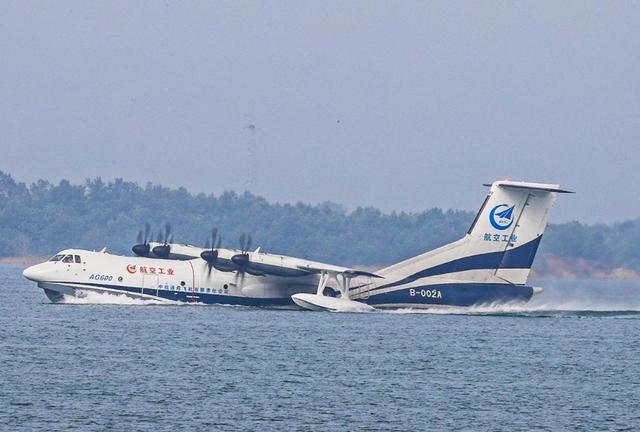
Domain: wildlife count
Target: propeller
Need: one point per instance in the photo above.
(241, 260)
(210, 255)
(142, 247)
(163, 250)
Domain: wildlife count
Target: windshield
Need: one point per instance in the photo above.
(56, 258)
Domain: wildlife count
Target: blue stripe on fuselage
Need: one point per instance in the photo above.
(519, 257)
(454, 294)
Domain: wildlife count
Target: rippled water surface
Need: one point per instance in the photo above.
(570, 360)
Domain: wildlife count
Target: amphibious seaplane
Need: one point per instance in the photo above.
(490, 264)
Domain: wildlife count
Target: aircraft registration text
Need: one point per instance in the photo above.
(427, 293)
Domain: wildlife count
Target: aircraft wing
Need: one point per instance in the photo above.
(346, 272)
(261, 264)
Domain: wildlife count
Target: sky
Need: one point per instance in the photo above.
(395, 104)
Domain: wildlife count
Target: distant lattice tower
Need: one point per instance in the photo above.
(249, 129)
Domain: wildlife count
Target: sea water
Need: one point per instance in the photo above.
(569, 360)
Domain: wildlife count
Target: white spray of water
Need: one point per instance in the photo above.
(112, 298)
(109, 298)
(523, 308)
(575, 296)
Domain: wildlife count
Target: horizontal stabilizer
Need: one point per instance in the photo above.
(531, 186)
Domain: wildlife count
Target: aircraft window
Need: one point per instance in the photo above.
(68, 259)
(56, 258)
(77, 258)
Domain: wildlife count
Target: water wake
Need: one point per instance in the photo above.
(543, 307)
(526, 309)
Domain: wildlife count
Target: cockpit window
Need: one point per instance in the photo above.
(77, 258)
(68, 259)
(56, 258)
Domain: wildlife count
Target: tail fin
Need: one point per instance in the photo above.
(501, 242)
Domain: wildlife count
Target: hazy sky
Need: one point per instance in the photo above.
(399, 105)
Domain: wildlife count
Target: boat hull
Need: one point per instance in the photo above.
(421, 297)
(56, 292)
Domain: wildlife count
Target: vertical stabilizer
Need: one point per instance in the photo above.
(501, 242)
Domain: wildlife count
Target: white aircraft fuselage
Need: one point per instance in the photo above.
(490, 264)
(164, 279)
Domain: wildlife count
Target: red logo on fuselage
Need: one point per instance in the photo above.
(131, 268)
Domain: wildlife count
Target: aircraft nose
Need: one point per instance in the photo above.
(32, 273)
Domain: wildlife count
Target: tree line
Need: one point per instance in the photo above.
(42, 218)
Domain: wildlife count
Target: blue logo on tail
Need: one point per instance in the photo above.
(501, 216)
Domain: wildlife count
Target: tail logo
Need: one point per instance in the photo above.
(501, 216)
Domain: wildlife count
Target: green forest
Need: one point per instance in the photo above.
(42, 218)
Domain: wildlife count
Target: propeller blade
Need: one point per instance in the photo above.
(239, 275)
(243, 239)
(167, 231)
(210, 256)
(142, 248)
(214, 234)
(211, 243)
